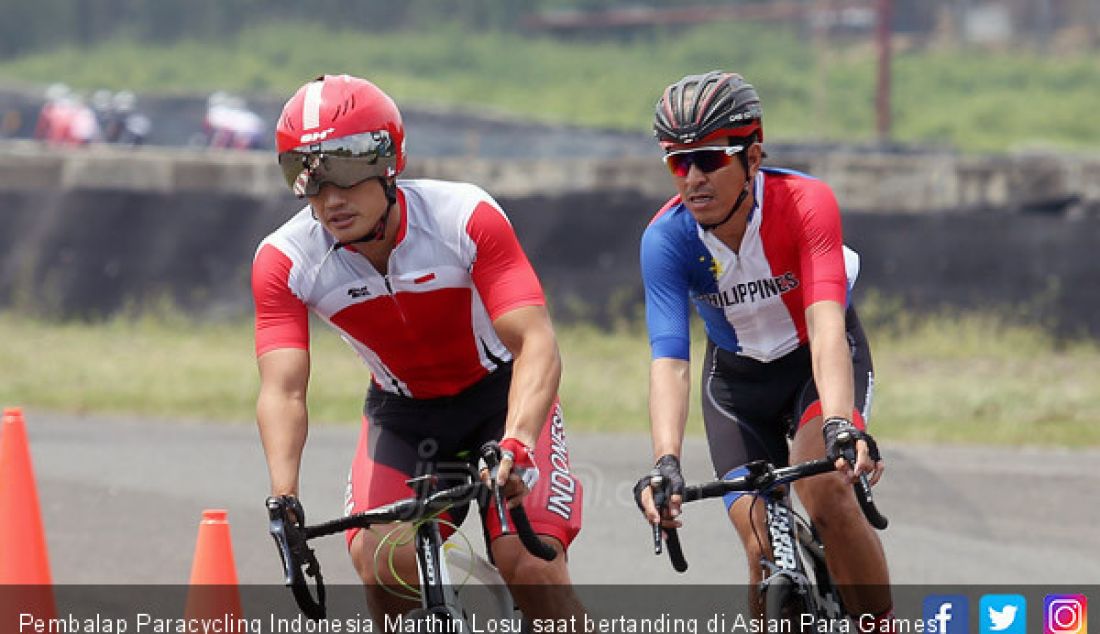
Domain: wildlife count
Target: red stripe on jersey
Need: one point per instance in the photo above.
(425, 339)
(778, 235)
(403, 224)
(281, 318)
(821, 244)
(502, 273)
(801, 234)
(672, 202)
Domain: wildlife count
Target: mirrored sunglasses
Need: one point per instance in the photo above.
(706, 159)
(344, 162)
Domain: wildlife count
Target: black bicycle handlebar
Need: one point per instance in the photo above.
(847, 445)
(761, 478)
(491, 455)
(299, 561)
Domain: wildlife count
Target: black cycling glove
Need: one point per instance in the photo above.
(840, 439)
(666, 474)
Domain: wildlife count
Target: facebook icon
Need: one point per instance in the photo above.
(946, 614)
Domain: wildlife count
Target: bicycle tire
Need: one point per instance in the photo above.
(784, 603)
(489, 593)
(829, 602)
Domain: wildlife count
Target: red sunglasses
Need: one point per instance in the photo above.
(706, 159)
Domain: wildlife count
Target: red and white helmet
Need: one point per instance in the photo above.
(341, 117)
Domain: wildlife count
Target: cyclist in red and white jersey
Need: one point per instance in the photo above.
(759, 253)
(427, 282)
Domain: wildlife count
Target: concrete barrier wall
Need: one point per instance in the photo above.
(89, 232)
(863, 181)
(93, 252)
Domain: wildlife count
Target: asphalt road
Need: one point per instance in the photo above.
(122, 498)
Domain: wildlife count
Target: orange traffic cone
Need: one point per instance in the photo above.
(213, 593)
(25, 583)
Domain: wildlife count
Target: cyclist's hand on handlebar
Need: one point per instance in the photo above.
(846, 444)
(517, 473)
(290, 507)
(660, 492)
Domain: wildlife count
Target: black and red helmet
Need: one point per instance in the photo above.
(701, 108)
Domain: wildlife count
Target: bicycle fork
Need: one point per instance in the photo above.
(783, 539)
(438, 597)
(789, 537)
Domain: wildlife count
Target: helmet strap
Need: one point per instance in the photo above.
(733, 210)
(389, 186)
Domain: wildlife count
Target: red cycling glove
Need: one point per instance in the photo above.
(523, 460)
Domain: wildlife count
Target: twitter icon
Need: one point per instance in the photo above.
(1002, 614)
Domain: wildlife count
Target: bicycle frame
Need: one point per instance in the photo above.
(796, 554)
(438, 595)
(437, 592)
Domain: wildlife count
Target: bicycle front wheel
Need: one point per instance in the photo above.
(785, 603)
(480, 587)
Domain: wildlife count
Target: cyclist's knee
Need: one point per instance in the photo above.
(519, 567)
(828, 501)
(383, 558)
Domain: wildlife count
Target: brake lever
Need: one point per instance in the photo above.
(864, 495)
(660, 501)
(490, 453)
(296, 556)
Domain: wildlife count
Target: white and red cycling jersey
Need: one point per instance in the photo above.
(425, 328)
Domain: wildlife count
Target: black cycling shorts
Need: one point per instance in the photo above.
(403, 437)
(752, 408)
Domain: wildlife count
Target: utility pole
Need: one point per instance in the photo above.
(821, 16)
(1044, 26)
(882, 89)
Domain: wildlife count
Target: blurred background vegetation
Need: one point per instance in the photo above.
(964, 75)
(977, 77)
(953, 377)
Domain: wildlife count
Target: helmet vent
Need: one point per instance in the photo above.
(287, 122)
(344, 108)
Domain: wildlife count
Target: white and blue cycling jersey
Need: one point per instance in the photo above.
(752, 301)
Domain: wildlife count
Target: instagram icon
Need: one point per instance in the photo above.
(1065, 614)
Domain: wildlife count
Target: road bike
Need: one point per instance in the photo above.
(439, 596)
(796, 579)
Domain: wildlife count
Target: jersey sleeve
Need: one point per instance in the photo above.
(821, 247)
(667, 310)
(501, 271)
(282, 320)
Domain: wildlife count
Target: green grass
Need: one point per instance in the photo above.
(973, 100)
(955, 378)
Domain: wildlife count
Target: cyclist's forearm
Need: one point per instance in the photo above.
(536, 374)
(282, 421)
(536, 370)
(669, 391)
(832, 359)
(833, 377)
